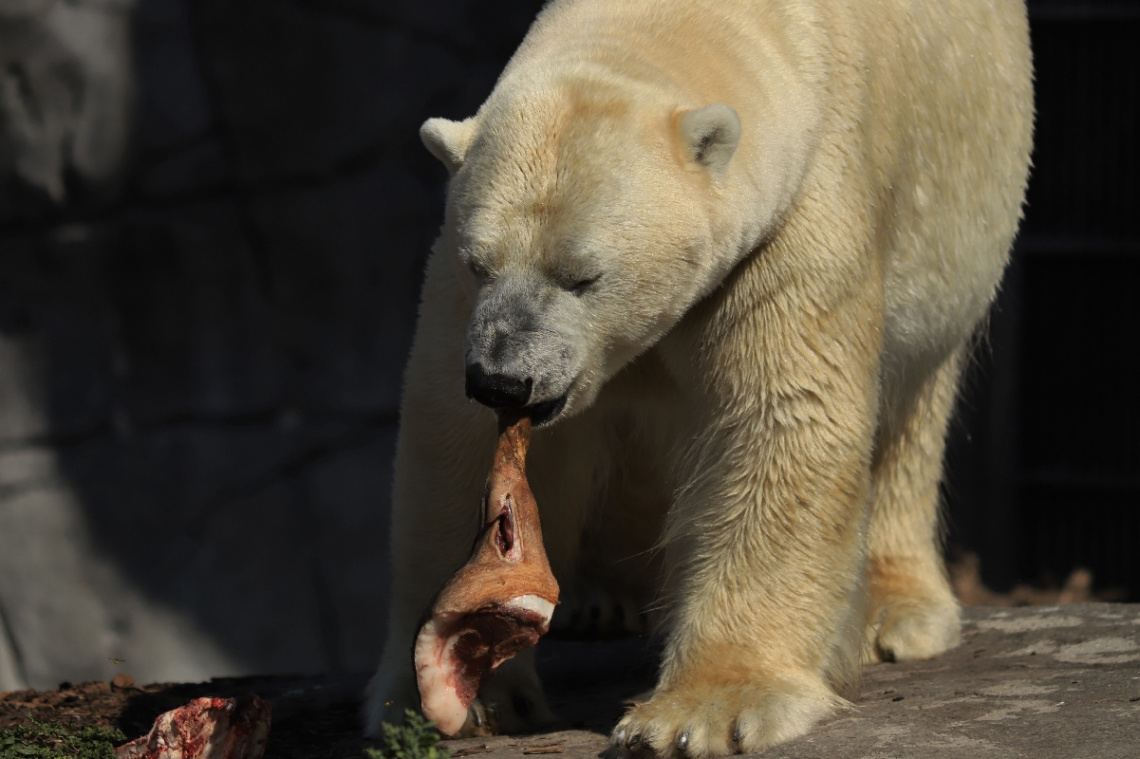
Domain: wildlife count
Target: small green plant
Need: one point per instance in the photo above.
(52, 740)
(415, 739)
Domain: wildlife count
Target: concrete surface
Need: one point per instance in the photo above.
(1059, 682)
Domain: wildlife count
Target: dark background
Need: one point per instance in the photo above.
(213, 219)
(1044, 466)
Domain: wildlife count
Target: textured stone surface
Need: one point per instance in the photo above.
(65, 94)
(275, 570)
(1042, 682)
(213, 220)
(343, 277)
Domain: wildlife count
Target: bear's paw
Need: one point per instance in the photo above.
(710, 716)
(908, 631)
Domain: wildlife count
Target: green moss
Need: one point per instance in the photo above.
(52, 740)
(415, 739)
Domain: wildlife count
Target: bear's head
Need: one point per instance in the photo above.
(586, 222)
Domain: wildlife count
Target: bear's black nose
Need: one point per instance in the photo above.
(497, 390)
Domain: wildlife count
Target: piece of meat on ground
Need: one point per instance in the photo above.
(206, 728)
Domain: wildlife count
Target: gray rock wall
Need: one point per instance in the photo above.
(213, 218)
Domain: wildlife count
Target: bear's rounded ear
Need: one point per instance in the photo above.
(448, 140)
(710, 135)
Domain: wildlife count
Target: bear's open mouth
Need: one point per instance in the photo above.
(548, 411)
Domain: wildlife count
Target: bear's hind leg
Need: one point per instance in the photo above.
(616, 577)
(914, 613)
(443, 454)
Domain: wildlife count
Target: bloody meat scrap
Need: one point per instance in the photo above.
(205, 728)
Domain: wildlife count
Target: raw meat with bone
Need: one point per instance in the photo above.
(500, 602)
(206, 728)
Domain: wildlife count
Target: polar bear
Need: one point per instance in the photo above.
(729, 255)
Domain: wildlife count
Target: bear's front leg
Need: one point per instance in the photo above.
(765, 553)
(442, 457)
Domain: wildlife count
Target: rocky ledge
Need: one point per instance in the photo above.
(1047, 682)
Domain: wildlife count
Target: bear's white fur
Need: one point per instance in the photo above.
(748, 242)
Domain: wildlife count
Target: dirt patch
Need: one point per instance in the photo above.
(313, 717)
(319, 717)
